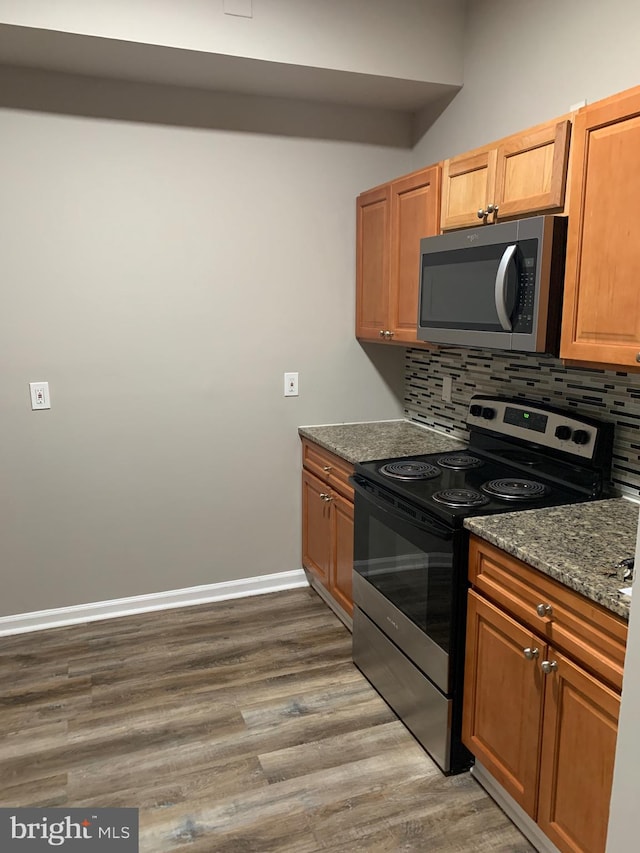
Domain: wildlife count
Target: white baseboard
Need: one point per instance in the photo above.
(42, 619)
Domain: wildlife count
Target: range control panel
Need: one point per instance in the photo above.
(536, 423)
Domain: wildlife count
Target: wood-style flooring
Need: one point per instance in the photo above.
(240, 726)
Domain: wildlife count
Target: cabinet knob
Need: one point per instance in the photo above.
(492, 208)
(323, 496)
(328, 498)
(544, 610)
(638, 356)
(548, 666)
(327, 468)
(388, 335)
(530, 654)
(482, 213)
(381, 333)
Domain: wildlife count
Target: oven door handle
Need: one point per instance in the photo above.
(430, 525)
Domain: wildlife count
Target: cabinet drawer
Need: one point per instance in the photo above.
(328, 467)
(589, 633)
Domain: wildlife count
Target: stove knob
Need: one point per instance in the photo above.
(488, 414)
(580, 436)
(563, 432)
(475, 410)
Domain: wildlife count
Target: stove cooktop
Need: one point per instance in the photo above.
(521, 455)
(488, 486)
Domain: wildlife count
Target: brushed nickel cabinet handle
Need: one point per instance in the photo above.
(549, 666)
(544, 610)
(530, 654)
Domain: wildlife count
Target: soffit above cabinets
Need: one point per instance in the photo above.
(117, 59)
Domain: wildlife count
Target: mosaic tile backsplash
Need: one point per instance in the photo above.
(607, 395)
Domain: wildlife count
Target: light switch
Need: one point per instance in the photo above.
(291, 385)
(39, 395)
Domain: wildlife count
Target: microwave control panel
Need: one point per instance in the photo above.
(525, 302)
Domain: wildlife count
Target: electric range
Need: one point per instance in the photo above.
(410, 548)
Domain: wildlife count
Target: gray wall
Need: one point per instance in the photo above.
(162, 278)
(525, 63)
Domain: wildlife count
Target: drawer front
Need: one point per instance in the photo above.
(593, 636)
(328, 467)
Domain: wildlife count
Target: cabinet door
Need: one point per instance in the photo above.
(316, 527)
(342, 562)
(531, 171)
(502, 710)
(415, 213)
(578, 749)
(372, 264)
(601, 314)
(468, 185)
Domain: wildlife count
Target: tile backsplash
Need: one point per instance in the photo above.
(607, 395)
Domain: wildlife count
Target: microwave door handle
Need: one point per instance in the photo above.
(501, 287)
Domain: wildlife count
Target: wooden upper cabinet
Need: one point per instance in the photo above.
(522, 175)
(531, 171)
(415, 208)
(601, 314)
(468, 185)
(372, 262)
(391, 220)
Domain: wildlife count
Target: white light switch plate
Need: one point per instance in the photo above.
(291, 385)
(39, 395)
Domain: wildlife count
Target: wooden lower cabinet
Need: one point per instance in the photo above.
(578, 748)
(327, 522)
(542, 722)
(503, 700)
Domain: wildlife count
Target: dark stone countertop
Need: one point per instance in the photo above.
(577, 545)
(362, 442)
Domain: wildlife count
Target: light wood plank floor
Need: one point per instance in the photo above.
(240, 726)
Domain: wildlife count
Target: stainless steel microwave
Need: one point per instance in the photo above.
(499, 286)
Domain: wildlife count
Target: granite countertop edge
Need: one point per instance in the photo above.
(364, 441)
(553, 541)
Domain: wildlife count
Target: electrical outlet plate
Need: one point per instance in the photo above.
(446, 388)
(291, 385)
(39, 395)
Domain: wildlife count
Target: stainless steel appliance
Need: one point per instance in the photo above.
(498, 286)
(410, 549)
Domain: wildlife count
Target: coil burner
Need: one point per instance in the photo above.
(410, 469)
(508, 489)
(459, 461)
(460, 498)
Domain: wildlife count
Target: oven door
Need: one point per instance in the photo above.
(407, 569)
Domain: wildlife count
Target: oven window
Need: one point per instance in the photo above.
(416, 576)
